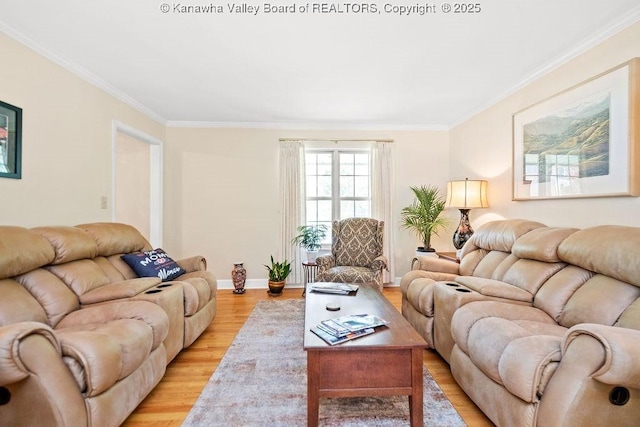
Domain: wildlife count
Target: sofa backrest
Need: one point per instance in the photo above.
(87, 256)
(603, 284)
(488, 253)
(29, 293)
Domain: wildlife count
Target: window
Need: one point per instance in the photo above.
(338, 185)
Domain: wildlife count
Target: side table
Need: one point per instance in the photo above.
(309, 269)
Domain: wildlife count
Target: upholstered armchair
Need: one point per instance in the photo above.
(356, 253)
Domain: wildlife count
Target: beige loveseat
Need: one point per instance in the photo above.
(540, 324)
(82, 339)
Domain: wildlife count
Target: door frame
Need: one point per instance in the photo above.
(156, 148)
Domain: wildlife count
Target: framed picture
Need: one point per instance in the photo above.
(10, 141)
(582, 142)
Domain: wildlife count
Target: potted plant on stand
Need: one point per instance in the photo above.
(278, 272)
(310, 239)
(423, 216)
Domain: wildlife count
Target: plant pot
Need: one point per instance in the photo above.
(275, 288)
(312, 256)
(429, 252)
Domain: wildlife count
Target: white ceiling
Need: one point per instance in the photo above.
(352, 70)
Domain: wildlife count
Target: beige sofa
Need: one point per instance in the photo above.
(82, 339)
(539, 324)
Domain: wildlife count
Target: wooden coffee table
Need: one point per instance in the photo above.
(385, 363)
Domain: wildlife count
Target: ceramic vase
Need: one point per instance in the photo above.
(239, 276)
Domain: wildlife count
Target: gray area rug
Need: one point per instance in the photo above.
(262, 381)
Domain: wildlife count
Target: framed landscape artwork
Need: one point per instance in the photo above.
(10, 141)
(582, 142)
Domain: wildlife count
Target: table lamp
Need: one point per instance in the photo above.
(465, 195)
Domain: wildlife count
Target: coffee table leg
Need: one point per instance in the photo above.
(313, 397)
(415, 400)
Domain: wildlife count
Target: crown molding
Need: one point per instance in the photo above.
(588, 43)
(304, 126)
(80, 72)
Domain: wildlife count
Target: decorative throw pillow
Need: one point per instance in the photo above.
(155, 263)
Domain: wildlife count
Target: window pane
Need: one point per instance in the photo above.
(362, 208)
(312, 186)
(310, 164)
(346, 186)
(324, 211)
(324, 164)
(312, 211)
(346, 164)
(347, 209)
(362, 164)
(361, 186)
(324, 186)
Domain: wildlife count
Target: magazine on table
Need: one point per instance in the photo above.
(333, 340)
(334, 288)
(344, 325)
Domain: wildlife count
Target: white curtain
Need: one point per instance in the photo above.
(292, 203)
(382, 175)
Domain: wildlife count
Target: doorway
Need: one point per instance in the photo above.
(137, 181)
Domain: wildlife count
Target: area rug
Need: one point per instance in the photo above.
(262, 381)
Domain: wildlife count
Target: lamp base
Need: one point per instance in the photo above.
(464, 231)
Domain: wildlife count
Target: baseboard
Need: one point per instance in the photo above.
(262, 284)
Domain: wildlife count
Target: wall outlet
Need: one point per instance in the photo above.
(103, 202)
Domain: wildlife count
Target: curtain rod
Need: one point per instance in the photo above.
(334, 140)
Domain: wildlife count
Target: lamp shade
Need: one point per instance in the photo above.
(467, 194)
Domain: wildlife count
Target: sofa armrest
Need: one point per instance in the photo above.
(144, 311)
(435, 265)
(621, 346)
(194, 263)
(12, 368)
(119, 290)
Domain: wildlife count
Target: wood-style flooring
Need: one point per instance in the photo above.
(169, 403)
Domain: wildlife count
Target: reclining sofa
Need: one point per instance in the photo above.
(540, 325)
(83, 340)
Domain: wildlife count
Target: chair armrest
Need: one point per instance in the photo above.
(325, 262)
(194, 263)
(380, 263)
(145, 311)
(621, 346)
(12, 368)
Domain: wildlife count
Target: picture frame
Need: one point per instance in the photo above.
(10, 141)
(582, 142)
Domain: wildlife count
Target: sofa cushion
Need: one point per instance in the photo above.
(620, 259)
(105, 353)
(115, 238)
(541, 244)
(516, 353)
(70, 243)
(155, 263)
(22, 250)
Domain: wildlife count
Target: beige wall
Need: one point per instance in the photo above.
(481, 147)
(66, 141)
(221, 191)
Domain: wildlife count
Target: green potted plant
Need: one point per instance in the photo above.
(278, 272)
(423, 216)
(310, 239)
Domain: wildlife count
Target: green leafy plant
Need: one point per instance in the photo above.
(423, 216)
(278, 271)
(310, 237)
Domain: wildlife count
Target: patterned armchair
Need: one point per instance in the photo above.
(356, 253)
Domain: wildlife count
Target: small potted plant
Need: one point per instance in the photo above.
(310, 239)
(423, 215)
(278, 272)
